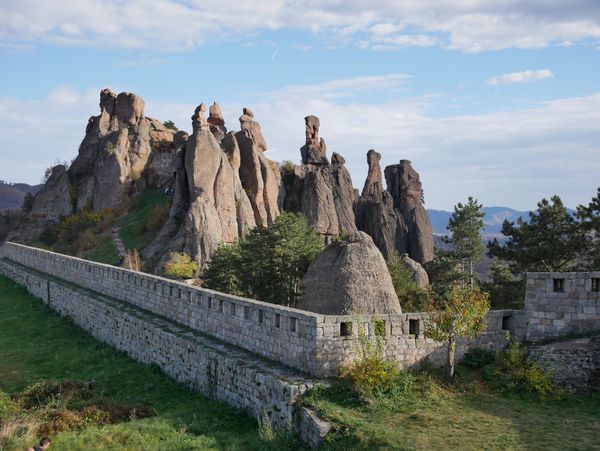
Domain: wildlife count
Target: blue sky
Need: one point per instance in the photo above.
(494, 99)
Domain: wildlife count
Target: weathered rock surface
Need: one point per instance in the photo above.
(419, 275)
(375, 213)
(321, 191)
(229, 187)
(347, 277)
(258, 176)
(315, 150)
(252, 129)
(51, 202)
(115, 152)
(404, 184)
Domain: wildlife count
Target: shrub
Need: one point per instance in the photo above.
(478, 357)
(132, 260)
(8, 408)
(369, 374)
(513, 371)
(411, 297)
(157, 218)
(170, 125)
(180, 266)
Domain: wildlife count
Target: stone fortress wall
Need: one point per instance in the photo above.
(562, 303)
(312, 343)
(232, 348)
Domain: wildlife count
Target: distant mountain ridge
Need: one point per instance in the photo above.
(494, 217)
(12, 194)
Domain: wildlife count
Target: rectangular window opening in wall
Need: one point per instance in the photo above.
(246, 312)
(221, 305)
(596, 284)
(209, 302)
(507, 322)
(179, 293)
(261, 317)
(277, 320)
(293, 324)
(558, 285)
(346, 328)
(379, 327)
(414, 327)
(232, 309)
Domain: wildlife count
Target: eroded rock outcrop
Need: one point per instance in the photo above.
(349, 276)
(259, 175)
(225, 186)
(321, 191)
(115, 152)
(52, 202)
(375, 213)
(404, 184)
(419, 275)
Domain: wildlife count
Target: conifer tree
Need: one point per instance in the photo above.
(465, 224)
(550, 240)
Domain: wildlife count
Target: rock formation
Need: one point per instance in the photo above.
(321, 191)
(375, 213)
(259, 179)
(224, 187)
(115, 152)
(404, 185)
(222, 184)
(349, 276)
(419, 275)
(51, 202)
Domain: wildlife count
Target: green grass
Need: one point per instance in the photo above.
(105, 252)
(132, 230)
(468, 416)
(37, 344)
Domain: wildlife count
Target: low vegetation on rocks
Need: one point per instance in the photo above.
(180, 266)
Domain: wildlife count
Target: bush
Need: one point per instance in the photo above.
(157, 218)
(513, 371)
(478, 357)
(8, 408)
(76, 233)
(132, 260)
(411, 297)
(369, 374)
(180, 266)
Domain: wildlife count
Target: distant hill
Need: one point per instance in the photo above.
(494, 217)
(12, 194)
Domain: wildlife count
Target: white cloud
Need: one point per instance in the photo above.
(509, 158)
(520, 77)
(467, 25)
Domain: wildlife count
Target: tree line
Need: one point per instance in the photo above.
(550, 239)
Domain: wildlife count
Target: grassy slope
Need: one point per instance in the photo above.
(132, 225)
(466, 417)
(37, 344)
(105, 252)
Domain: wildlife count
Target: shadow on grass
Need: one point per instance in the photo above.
(36, 344)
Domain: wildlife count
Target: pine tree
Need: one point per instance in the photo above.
(550, 240)
(465, 224)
